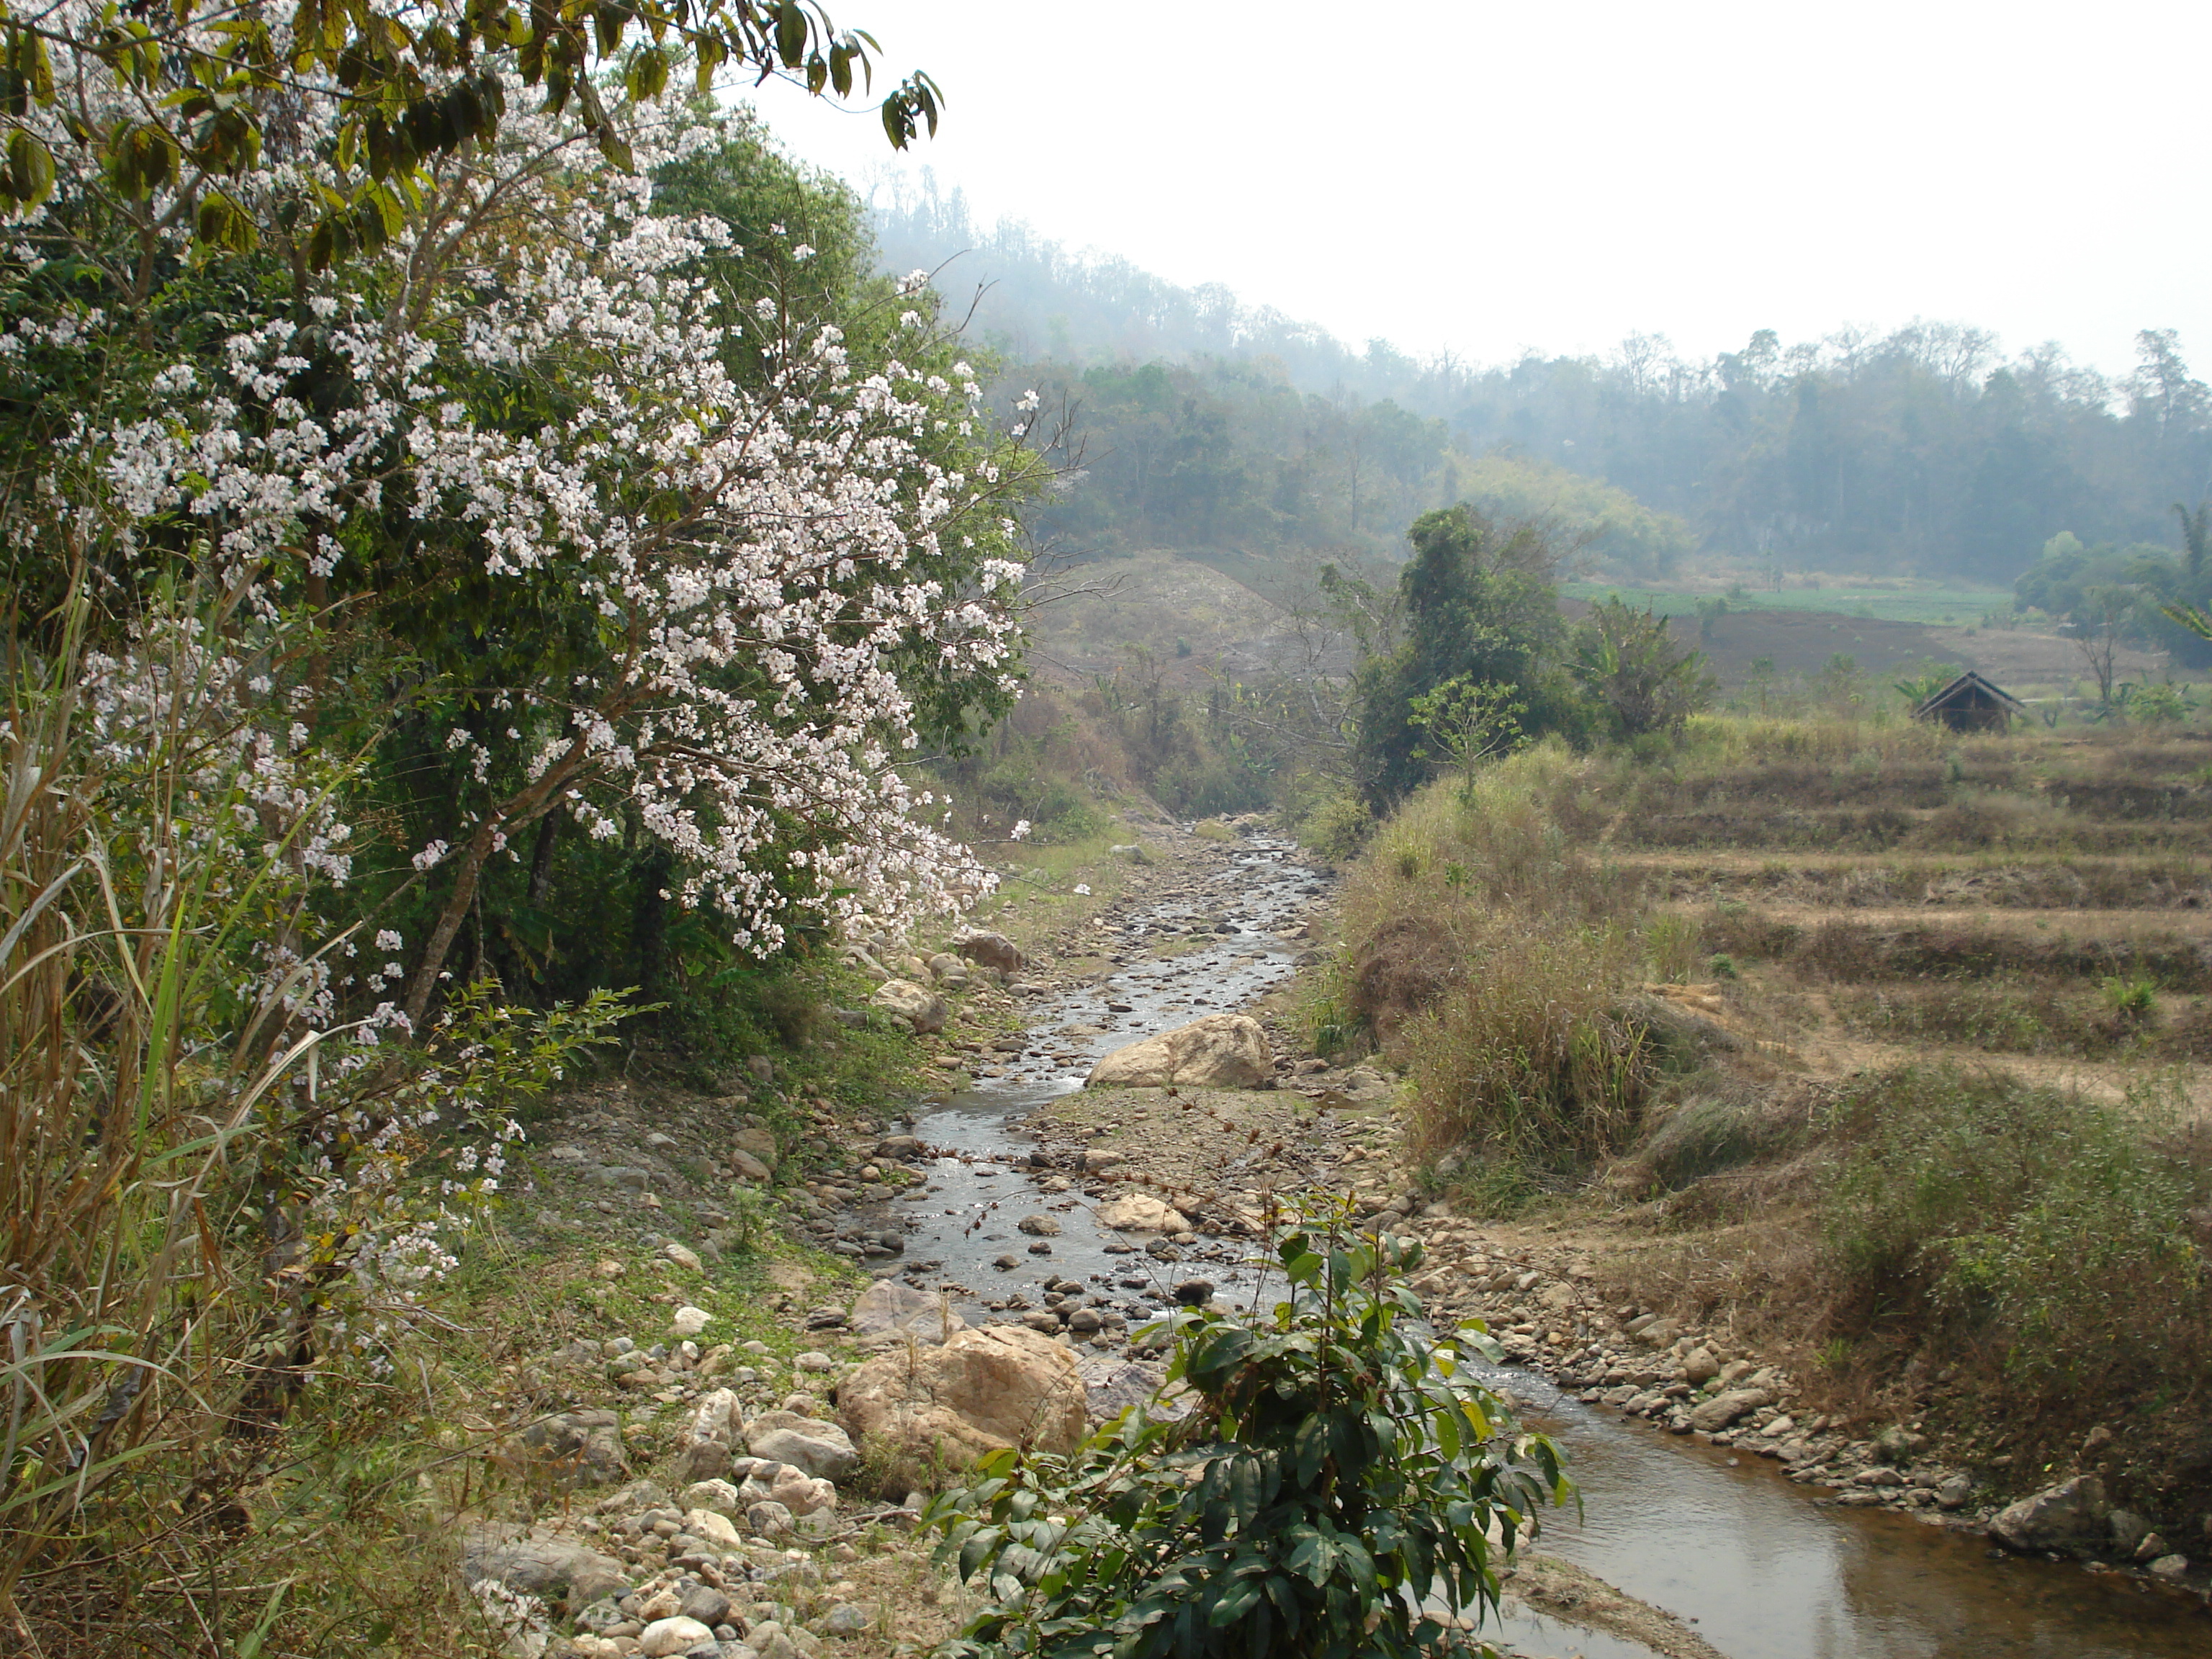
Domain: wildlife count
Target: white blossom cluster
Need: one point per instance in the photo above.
(762, 559)
(205, 794)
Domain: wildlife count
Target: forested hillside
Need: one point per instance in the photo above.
(1927, 451)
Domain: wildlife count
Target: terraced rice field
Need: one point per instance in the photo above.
(2039, 901)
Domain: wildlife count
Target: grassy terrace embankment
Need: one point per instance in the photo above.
(1884, 1046)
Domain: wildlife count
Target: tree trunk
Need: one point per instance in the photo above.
(516, 814)
(541, 858)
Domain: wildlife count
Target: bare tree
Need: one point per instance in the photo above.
(2096, 630)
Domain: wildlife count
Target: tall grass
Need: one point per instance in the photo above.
(1530, 1054)
(1672, 947)
(1725, 744)
(126, 1123)
(1492, 954)
(212, 1196)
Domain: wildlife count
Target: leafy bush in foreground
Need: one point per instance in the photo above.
(1334, 1491)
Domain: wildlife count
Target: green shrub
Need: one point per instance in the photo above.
(1329, 1025)
(1338, 827)
(2132, 997)
(1334, 1481)
(2050, 1225)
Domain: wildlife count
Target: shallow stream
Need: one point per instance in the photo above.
(1763, 1570)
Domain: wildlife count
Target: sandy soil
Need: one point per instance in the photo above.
(2018, 659)
(1569, 1593)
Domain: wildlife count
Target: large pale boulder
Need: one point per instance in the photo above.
(924, 1011)
(714, 1528)
(717, 1495)
(1141, 1213)
(2070, 1513)
(792, 1487)
(982, 1392)
(815, 1447)
(539, 1564)
(888, 1308)
(1219, 1051)
(715, 1417)
(664, 1638)
(993, 950)
(1722, 1409)
(1112, 1385)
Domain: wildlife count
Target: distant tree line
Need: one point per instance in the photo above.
(1917, 451)
(1923, 451)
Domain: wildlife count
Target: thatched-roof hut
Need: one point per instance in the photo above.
(1970, 703)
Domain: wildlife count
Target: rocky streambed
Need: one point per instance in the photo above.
(1709, 1492)
(1021, 1228)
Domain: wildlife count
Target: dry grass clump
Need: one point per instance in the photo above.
(1493, 953)
(1839, 950)
(1530, 1054)
(1721, 743)
(1705, 1140)
(1514, 841)
(2016, 1016)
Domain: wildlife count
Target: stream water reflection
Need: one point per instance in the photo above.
(1769, 1574)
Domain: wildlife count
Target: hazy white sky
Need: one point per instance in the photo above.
(1490, 177)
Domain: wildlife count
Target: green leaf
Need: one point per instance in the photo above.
(1447, 1430)
(978, 1549)
(649, 74)
(1309, 1447)
(1314, 1556)
(1236, 1601)
(1222, 1347)
(790, 32)
(608, 23)
(1244, 1490)
(30, 170)
(220, 222)
(709, 56)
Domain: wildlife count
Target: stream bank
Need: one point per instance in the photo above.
(1700, 1528)
(1687, 1546)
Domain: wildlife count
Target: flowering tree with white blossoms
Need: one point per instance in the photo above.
(708, 563)
(533, 379)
